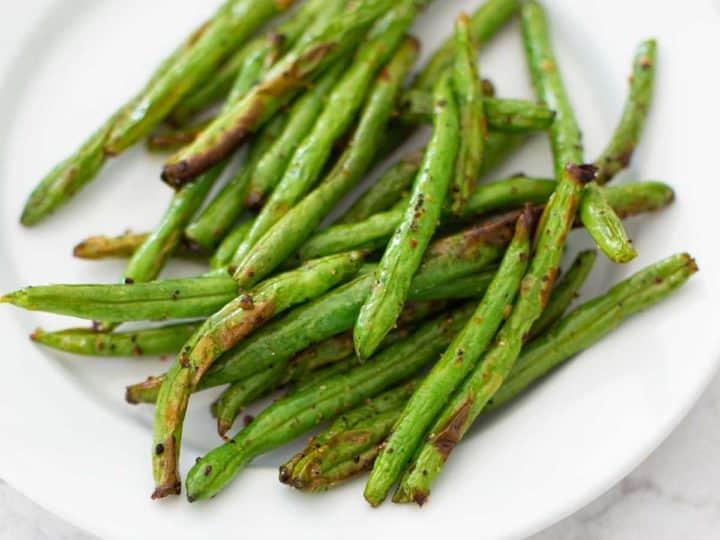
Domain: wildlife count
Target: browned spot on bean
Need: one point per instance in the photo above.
(582, 173)
(548, 280)
(419, 497)
(448, 436)
(229, 335)
(246, 302)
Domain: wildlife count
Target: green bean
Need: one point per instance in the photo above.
(172, 139)
(447, 260)
(503, 115)
(403, 255)
(373, 233)
(618, 153)
(473, 124)
(224, 253)
(388, 189)
(593, 320)
(358, 433)
(340, 347)
(319, 355)
(604, 225)
(243, 393)
(374, 229)
(302, 368)
(154, 301)
(555, 225)
(166, 299)
(146, 341)
(123, 246)
(67, 177)
(396, 182)
(212, 91)
(510, 193)
(316, 370)
(377, 229)
(78, 169)
(565, 135)
(638, 197)
(346, 364)
(150, 258)
(471, 286)
(144, 392)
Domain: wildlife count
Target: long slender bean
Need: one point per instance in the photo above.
(123, 246)
(150, 258)
(504, 115)
(224, 253)
(388, 189)
(147, 341)
(625, 199)
(473, 124)
(404, 253)
(396, 182)
(166, 299)
(618, 153)
(565, 135)
(351, 444)
(173, 139)
(471, 249)
(316, 364)
(232, 25)
(243, 393)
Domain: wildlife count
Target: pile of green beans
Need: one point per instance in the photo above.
(436, 296)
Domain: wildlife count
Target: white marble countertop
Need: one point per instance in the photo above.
(674, 494)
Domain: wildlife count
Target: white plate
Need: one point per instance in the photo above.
(68, 440)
